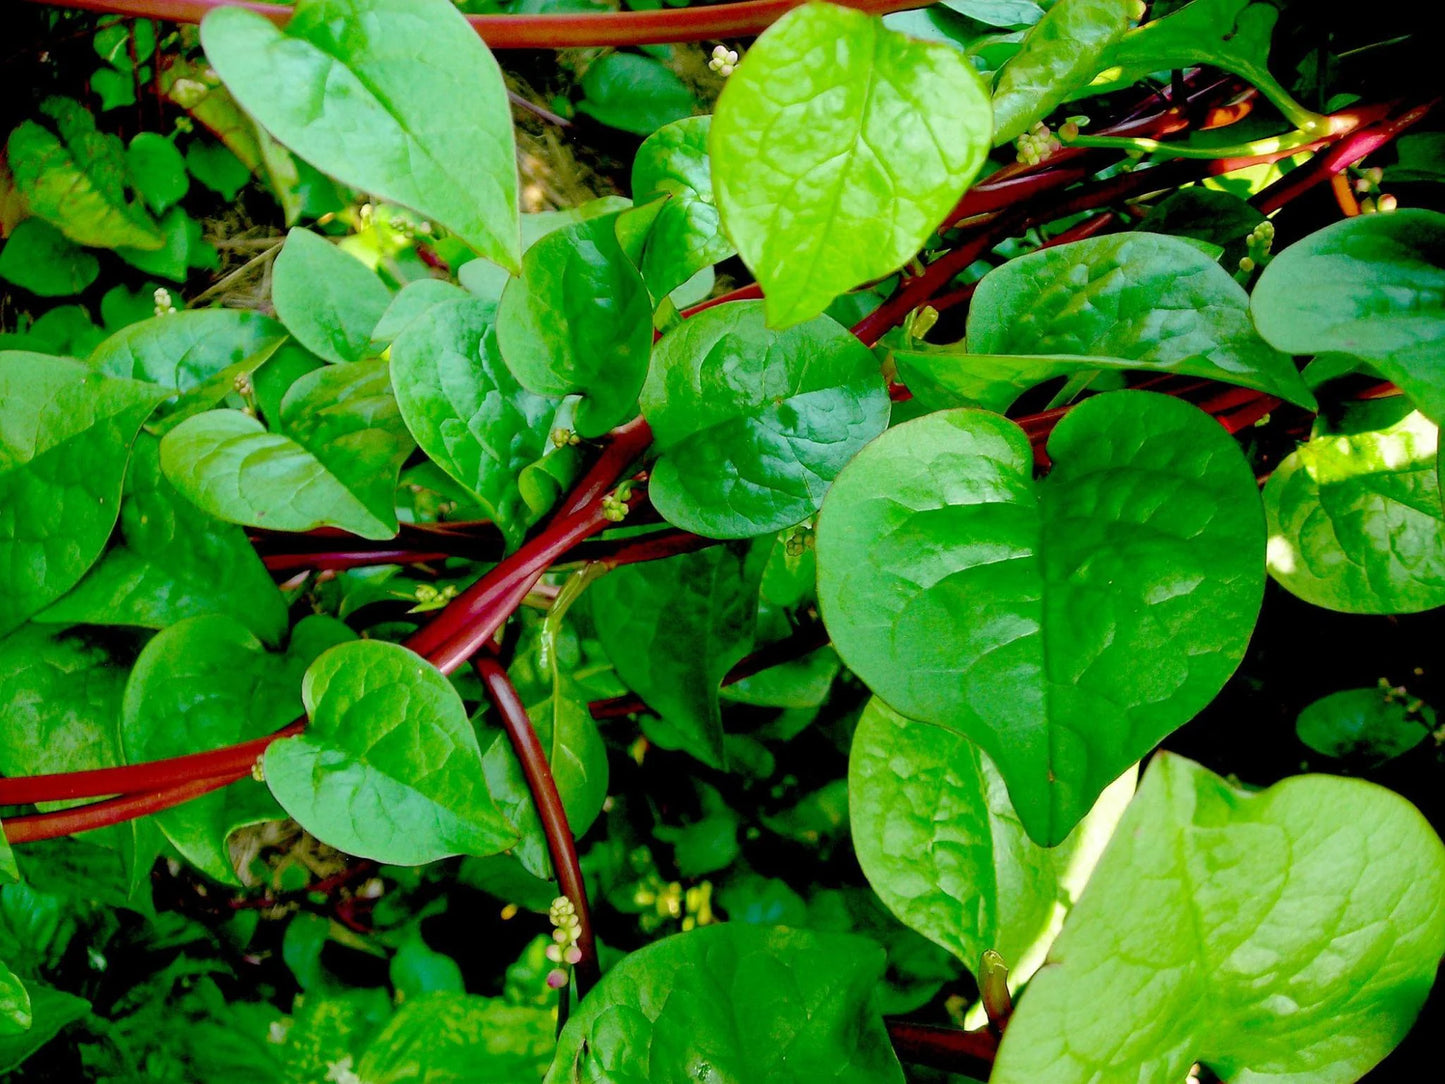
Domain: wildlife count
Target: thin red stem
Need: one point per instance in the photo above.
(87, 818)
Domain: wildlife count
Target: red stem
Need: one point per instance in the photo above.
(949, 1049)
(537, 31)
(104, 814)
(538, 772)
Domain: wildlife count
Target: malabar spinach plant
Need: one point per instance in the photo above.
(876, 487)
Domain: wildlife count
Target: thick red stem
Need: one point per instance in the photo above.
(949, 1049)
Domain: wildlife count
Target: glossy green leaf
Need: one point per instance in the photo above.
(635, 93)
(183, 350)
(453, 1038)
(39, 258)
(942, 846)
(204, 683)
(14, 1003)
(368, 92)
(183, 246)
(59, 703)
(1356, 523)
(335, 461)
(1065, 626)
(838, 146)
(388, 767)
(157, 171)
(733, 1002)
(686, 233)
(1316, 978)
(1151, 301)
(1371, 286)
(1062, 53)
(467, 411)
(752, 425)
(998, 12)
(172, 561)
(50, 1011)
(1370, 725)
(411, 303)
(77, 182)
(330, 301)
(673, 628)
(579, 320)
(65, 435)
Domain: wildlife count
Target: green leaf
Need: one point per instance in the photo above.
(183, 248)
(752, 425)
(1368, 725)
(38, 257)
(467, 411)
(998, 12)
(942, 846)
(172, 561)
(368, 92)
(579, 320)
(1064, 626)
(51, 1010)
(673, 628)
(635, 93)
(181, 351)
(1058, 56)
(686, 233)
(838, 146)
(65, 436)
(157, 171)
(9, 872)
(389, 767)
(1316, 979)
(1371, 286)
(334, 463)
(330, 301)
(14, 1003)
(453, 1038)
(410, 304)
(204, 683)
(733, 1002)
(62, 703)
(1146, 300)
(1356, 523)
(77, 182)
(218, 168)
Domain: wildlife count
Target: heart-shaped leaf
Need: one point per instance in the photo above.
(1065, 626)
(738, 1003)
(1356, 523)
(943, 848)
(1281, 935)
(65, 436)
(388, 767)
(335, 461)
(1368, 726)
(172, 561)
(838, 146)
(330, 301)
(467, 411)
(204, 683)
(1148, 300)
(579, 320)
(39, 258)
(1372, 286)
(753, 425)
(368, 92)
(181, 351)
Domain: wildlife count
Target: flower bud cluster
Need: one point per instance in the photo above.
(564, 950)
(164, 305)
(723, 61)
(1037, 144)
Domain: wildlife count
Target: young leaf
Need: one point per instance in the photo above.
(173, 561)
(1366, 725)
(838, 146)
(1150, 301)
(330, 301)
(183, 350)
(1356, 523)
(466, 409)
(77, 182)
(943, 848)
(441, 1038)
(389, 767)
(39, 258)
(1371, 286)
(673, 628)
(65, 436)
(1060, 54)
(696, 1004)
(1064, 626)
(1158, 965)
(752, 425)
(579, 320)
(157, 171)
(334, 463)
(204, 683)
(686, 234)
(368, 92)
